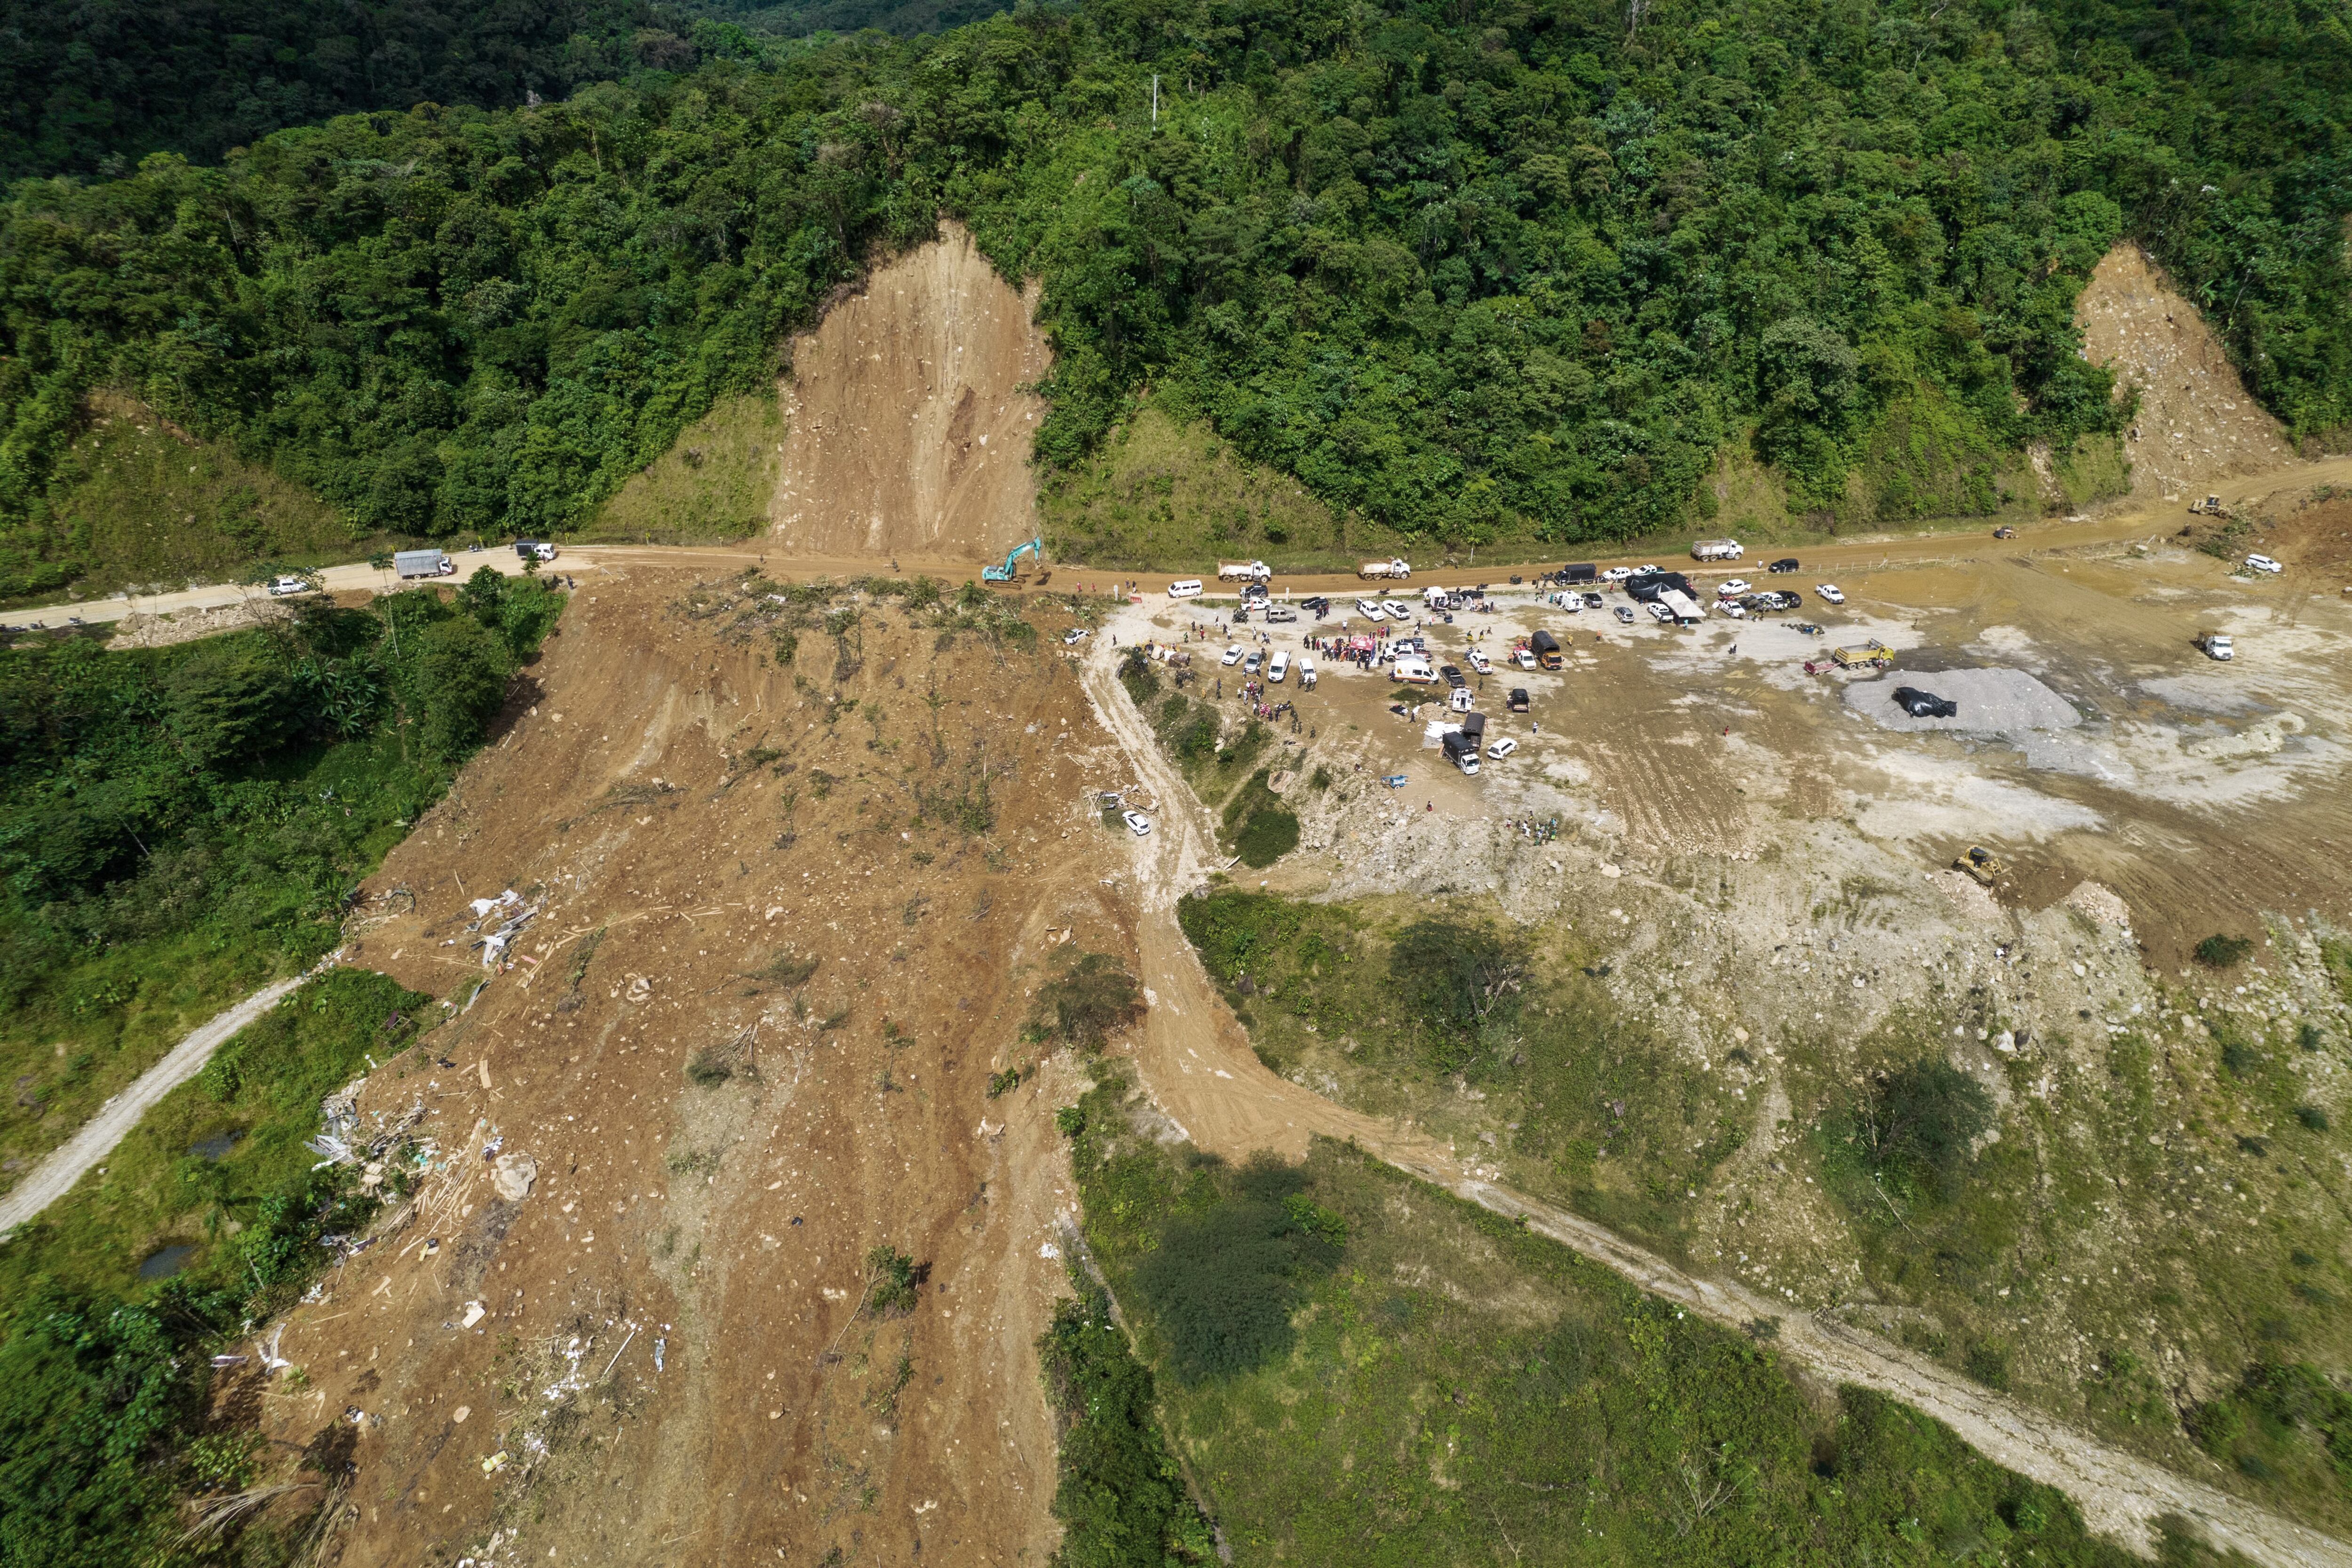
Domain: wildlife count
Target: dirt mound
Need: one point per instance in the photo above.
(2196, 423)
(909, 432)
(791, 909)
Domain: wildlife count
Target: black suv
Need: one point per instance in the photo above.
(1925, 704)
(1453, 674)
(1786, 563)
(1317, 607)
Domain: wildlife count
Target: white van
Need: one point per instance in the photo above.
(1280, 667)
(1187, 588)
(1305, 673)
(1414, 668)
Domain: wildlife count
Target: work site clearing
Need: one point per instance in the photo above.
(735, 1199)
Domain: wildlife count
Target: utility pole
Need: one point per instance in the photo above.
(1155, 100)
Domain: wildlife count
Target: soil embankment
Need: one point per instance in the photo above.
(2197, 423)
(909, 428)
(789, 914)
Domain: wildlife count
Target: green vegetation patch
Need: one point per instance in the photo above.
(1260, 828)
(179, 825)
(1449, 1388)
(711, 486)
(106, 1420)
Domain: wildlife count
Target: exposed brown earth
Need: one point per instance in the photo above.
(909, 429)
(723, 1226)
(2197, 423)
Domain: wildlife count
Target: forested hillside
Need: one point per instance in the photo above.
(1510, 270)
(92, 88)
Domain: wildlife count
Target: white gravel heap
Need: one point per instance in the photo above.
(1994, 701)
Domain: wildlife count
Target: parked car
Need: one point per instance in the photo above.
(1319, 606)
(1232, 654)
(1397, 609)
(1786, 563)
(1254, 663)
(1731, 588)
(1184, 588)
(1136, 823)
(1829, 591)
(1503, 748)
(1371, 610)
(2216, 645)
(1625, 614)
(1659, 613)
(2004, 531)
(1616, 573)
(1591, 601)
(1453, 674)
(1074, 635)
(1925, 704)
(1480, 662)
(279, 588)
(1518, 702)
(1280, 615)
(1523, 658)
(1732, 608)
(2263, 564)
(1280, 667)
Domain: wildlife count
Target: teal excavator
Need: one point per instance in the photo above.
(1004, 574)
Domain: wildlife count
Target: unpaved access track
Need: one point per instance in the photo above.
(55, 1176)
(1196, 1062)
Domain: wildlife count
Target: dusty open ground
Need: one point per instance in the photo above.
(683, 812)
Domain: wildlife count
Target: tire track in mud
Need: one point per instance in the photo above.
(1195, 1061)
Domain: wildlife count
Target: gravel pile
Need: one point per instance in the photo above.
(1994, 701)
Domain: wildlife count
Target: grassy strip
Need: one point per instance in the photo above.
(1436, 1385)
(107, 1423)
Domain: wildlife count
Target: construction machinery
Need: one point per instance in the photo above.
(2210, 507)
(1875, 654)
(1981, 864)
(1004, 574)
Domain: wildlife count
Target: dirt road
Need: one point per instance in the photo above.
(55, 1176)
(1196, 1061)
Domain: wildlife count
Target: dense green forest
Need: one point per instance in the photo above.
(92, 88)
(1471, 271)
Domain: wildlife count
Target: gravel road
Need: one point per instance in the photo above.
(56, 1175)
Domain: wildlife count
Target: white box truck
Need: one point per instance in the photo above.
(412, 563)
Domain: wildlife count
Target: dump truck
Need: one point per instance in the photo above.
(1715, 549)
(1875, 654)
(410, 563)
(1243, 572)
(1393, 567)
(1981, 864)
(1546, 648)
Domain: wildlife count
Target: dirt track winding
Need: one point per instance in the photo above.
(1196, 1062)
(56, 1175)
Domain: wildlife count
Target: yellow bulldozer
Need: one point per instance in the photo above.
(1981, 864)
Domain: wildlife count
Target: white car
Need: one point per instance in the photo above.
(1523, 658)
(1136, 823)
(1397, 612)
(1616, 573)
(1502, 748)
(1074, 633)
(1659, 613)
(1731, 588)
(1829, 591)
(1232, 654)
(1281, 665)
(2217, 645)
(1371, 610)
(1480, 662)
(1732, 608)
(2263, 564)
(279, 588)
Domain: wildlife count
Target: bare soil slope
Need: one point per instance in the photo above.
(909, 434)
(2196, 423)
(669, 1355)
